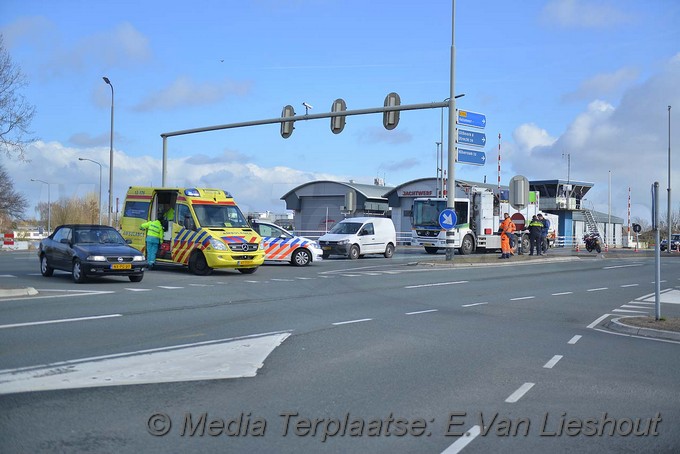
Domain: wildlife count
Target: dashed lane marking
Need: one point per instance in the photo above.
(474, 304)
(353, 321)
(463, 441)
(138, 289)
(597, 289)
(63, 320)
(521, 391)
(522, 298)
(574, 339)
(562, 293)
(422, 312)
(167, 287)
(554, 360)
(436, 284)
(630, 285)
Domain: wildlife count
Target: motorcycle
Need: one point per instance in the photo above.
(592, 241)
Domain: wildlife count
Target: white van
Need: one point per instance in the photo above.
(355, 237)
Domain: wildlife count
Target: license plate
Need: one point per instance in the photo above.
(244, 262)
(326, 248)
(121, 266)
(428, 244)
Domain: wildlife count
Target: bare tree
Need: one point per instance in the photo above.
(12, 203)
(16, 113)
(75, 210)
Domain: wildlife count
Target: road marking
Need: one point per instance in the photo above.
(554, 360)
(630, 306)
(352, 275)
(167, 287)
(562, 293)
(138, 289)
(253, 282)
(597, 289)
(353, 321)
(305, 278)
(621, 266)
(282, 280)
(422, 312)
(68, 294)
(629, 312)
(574, 339)
(521, 391)
(436, 284)
(208, 360)
(63, 320)
(630, 285)
(463, 441)
(7, 275)
(596, 322)
(201, 285)
(522, 298)
(473, 304)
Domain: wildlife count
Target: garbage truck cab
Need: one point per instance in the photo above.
(203, 228)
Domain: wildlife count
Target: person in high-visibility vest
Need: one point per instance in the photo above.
(507, 228)
(154, 234)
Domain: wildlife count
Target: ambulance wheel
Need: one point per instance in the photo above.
(247, 270)
(467, 246)
(389, 251)
(354, 252)
(198, 265)
(301, 257)
(431, 250)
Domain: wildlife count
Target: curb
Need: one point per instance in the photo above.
(617, 325)
(10, 292)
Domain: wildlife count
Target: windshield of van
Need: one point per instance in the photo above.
(220, 216)
(346, 227)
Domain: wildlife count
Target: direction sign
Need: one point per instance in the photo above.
(474, 157)
(473, 119)
(447, 219)
(471, 137)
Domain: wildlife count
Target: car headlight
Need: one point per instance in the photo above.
(343, 242)
(316, 245)
(217, 244)
(138, 258)
(96, 258)
(262, 245)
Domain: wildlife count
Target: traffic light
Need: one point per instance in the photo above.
(287, 126)
(338, 123)
(391, 118)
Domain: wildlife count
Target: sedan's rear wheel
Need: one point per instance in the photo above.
(45, 269)
(77, 272)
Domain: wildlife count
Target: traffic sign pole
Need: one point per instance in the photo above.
(453, 133)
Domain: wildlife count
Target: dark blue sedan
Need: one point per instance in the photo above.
(90, 250)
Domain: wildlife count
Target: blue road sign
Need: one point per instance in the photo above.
(474, 138)
(447, 219)
(473, 119)
(474, 157)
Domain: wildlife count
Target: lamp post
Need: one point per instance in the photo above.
(49, 205)
(99, 202)
(669, 181)
(108, 82)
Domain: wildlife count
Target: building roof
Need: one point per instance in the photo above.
(370, 191)
(549, 188)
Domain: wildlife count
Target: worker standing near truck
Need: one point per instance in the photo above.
(154, 235)
(506, 229)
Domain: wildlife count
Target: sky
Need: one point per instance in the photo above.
(576, 89)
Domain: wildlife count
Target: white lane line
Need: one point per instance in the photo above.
(643, 303)
(138, 289)
(463, 441)
(167, 287)
(574, 339)
(63, 320)
(621, 266)
(521, 391)
(550, 364)
(630, 285)
(305, 278)
(353, 321)
(351, 275)
(522, 298)
(625, 311)
(253, 282)
(422, 312)
(630, 306)
(654, 282)
(597, 289)
(281, 280)
(562, 293)
(596, 322)
(473, 304)
(7, 275)
(436, 284)
(201, 285)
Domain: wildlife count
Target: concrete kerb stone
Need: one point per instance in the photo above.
(12, 292)
(618, 325)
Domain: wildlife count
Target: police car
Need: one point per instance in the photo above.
(281, 245)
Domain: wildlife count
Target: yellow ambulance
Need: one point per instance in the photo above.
(203, 228)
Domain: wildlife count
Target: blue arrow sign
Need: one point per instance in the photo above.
(473, 119)
(471, 138)
(447, 219)
(474, 157)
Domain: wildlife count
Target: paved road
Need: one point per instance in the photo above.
(345, 353)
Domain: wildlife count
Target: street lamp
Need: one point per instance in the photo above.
(106, 79)
(99, 203)
(670, 227)
(49, 205)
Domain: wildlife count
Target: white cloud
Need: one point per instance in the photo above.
(584, 13)
(183, 92)
(603, 84)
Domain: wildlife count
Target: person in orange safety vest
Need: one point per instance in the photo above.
(506, 229)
